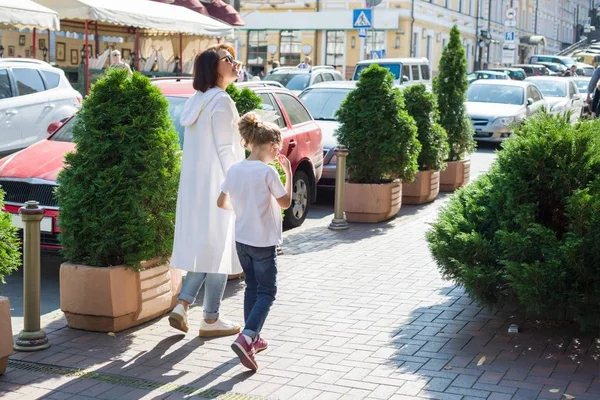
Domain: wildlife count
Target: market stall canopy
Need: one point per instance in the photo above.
(151, 17)
(27, 14)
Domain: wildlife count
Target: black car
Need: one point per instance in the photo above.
(517, 74)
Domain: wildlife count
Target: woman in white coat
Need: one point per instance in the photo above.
(204, 234)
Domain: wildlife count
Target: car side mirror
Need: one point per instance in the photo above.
(405, 78)
(576, 97)
(53, 127)
(530, 102)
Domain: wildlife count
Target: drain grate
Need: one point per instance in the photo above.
(136, 383)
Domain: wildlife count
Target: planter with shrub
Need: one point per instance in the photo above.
(528, 230)
(382, 144)
(421, 105)
(10, 260)
(117, 195)
(451, 87)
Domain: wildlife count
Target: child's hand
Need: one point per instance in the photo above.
(285, 164)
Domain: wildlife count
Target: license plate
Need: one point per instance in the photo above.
(45, 225)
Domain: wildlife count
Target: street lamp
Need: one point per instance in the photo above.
(1, 50)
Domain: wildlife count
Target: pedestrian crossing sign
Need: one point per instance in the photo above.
(361, 18)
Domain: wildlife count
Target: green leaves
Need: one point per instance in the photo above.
(245, 100)
(451, 87)
(118, 192)
(10, 253)
(378, 132)
(529, 230)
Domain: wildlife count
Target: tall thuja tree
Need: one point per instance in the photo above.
(451, 87)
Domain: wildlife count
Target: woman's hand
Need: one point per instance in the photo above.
(285, 164)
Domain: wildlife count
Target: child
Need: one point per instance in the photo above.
(257, 197)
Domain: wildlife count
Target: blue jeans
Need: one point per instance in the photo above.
(260, 268)
(213, 291)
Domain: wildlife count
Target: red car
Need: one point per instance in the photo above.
(31, 173)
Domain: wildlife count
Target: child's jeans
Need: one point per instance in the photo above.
(260, 268)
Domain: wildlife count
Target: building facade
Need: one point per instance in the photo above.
(288, 30)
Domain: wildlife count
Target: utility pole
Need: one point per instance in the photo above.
(489, 30)
(536, 17)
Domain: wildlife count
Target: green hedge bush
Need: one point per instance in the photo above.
(118, 192)
(422, 106)
(10, 247)
(529, 230)
(380, 135)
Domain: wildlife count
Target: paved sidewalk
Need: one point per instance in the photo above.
(360, 314)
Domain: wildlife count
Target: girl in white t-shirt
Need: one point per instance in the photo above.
(253, 190)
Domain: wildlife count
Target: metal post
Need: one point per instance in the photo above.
(87, 59)
(32, 337)
(339, 222)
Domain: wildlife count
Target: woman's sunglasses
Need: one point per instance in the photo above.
(229, 59)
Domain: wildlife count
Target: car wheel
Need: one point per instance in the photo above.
(296, 214)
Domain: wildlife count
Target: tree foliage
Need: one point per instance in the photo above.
(10, 253)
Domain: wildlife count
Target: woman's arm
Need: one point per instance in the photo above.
(224, 131)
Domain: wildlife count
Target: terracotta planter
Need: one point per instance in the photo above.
(372, 202)
(424, 189)
(6, 337)
(116, 298)
(456, 174)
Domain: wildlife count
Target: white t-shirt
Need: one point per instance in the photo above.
(253, 189)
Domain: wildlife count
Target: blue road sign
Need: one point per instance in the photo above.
(362, 33)
(509, 36)
(361, 18)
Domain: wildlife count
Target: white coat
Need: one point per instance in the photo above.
(204, 233)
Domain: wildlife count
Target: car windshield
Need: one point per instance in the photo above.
(393, 68)
(323, 103)
(582, 85)
(567, 60)
(291, 81)
(552, 89)
(502, 94)
(65, 133)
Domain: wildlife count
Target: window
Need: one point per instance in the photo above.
(28, 80)
(335, 47)
(289, 48)
(425, 75)
(444, 43)
(52, 79)
(415, 72)
(257, 47)
(378, 43)
(5, 89)
(318, 78)
(406, 71)
(295, 110)
(328, 77)
(428, 48)
(268, 104)
(415, 44)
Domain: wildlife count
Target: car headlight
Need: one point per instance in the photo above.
(503, 121)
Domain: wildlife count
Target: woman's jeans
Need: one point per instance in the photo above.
(213, 291)
(260, 268)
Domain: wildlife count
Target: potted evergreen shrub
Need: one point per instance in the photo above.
(421, 105)
(117, 196)
(451, 87)
(382, 144)
(10, 260)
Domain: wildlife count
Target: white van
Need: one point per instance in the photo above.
(406, 71)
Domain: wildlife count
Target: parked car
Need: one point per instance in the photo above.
(477, 75)
(562, 95)
(566, 61)
(24, 178)
(582, 83)
(495, 105)
(32, 95)
(533, 69)
(406, 71)
(297, 79)
(584, 69)
(513, 73)
(558, 69)
(323, 100)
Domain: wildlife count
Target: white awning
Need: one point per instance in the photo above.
(27, 14)
(150, 16)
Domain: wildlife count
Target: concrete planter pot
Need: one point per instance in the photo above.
(424, 189)
(456, 174)
(116, 298)
(372, 203)
(6, 337)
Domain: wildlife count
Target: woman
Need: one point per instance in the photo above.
(204, 234)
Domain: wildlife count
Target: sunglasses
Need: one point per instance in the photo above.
(229, 59)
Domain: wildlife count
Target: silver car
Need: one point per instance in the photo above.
(562, 95)
(495, 106)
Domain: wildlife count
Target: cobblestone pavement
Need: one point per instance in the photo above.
(362, 313)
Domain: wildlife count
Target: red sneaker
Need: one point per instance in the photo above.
(260, 345)
(245, 352)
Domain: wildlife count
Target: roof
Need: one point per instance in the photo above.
(334, 85)
(151, 16)
(404, 60)
(548, 78)
(182, 86)
(501, 82)
(27, 14)
(488, 71)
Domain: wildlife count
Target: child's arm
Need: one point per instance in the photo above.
(286, 201)
(223, 202)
